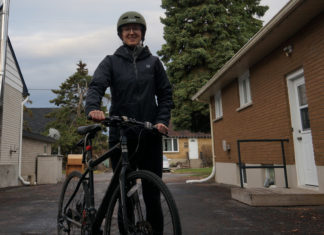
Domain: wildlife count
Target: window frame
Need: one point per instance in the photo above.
(218, 105)
(245, 92)
(172, 145)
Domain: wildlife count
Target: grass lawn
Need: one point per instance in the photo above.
(195, 172)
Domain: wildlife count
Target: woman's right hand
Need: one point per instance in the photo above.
(97, 115)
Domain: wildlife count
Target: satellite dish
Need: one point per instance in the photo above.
(55, 134)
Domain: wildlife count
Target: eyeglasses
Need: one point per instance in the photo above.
(134, 28)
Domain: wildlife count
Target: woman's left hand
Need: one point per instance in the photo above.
(162, 128)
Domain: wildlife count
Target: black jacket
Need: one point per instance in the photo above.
(138, 84)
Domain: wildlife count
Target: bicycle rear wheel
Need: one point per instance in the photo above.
(139, 221)
(70, 220)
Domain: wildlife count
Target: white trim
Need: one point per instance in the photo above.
(218, 105)
(302, 177)
(245, 92)
(296, 74)
(217, 119)
(244, 106)
(172, 146)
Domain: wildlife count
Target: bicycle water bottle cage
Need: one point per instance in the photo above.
(92, 129)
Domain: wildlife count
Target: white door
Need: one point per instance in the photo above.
(193, 149)
(302, 134)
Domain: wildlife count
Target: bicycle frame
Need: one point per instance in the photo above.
(119, 175)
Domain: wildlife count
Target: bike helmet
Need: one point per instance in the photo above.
(131, 17)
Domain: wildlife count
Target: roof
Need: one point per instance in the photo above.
(186, 133)
(37, 121)
(291, 18)
(39, 137)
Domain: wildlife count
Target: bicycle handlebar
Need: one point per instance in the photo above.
(125, 121)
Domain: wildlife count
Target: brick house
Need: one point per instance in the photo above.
(186, 147)
(272, 88)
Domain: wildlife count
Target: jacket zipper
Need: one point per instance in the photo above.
(136, 76)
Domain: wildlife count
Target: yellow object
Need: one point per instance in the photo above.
(74, 163)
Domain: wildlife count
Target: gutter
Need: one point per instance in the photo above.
(213, 173)
(20, 142)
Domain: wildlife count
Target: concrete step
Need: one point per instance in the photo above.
(278, 196)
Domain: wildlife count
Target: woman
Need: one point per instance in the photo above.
(139, 89)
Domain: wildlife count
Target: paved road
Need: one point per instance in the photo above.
(204, 209)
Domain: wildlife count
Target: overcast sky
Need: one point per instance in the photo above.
(50, 37)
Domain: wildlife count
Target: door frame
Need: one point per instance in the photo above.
(293, 99)
(196, 146)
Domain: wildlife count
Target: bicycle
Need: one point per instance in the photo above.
(123, 200)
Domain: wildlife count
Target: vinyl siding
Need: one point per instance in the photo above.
(31, 149)
(10, 129)
(10, 125)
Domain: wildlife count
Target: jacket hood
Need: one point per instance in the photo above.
(130, 53)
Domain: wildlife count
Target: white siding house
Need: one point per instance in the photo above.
(12, 95)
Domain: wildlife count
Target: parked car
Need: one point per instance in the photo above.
(166, 165)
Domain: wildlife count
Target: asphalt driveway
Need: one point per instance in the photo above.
(204, 209)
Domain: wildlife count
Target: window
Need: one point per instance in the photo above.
(170, 145)
(244, 89)
(218, 105)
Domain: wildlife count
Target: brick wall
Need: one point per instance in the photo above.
(269, 114)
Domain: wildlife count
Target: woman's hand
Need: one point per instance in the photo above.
(162, 128)
(97, 115)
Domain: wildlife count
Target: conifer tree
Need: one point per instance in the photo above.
(71, 113)
(201, 35)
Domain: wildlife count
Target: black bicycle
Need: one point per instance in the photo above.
(123, 208)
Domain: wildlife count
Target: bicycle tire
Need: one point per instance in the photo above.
(171, 220)
(76, 206)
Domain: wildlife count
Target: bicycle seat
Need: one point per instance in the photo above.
(92, 129)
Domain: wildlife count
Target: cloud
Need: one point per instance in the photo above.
(50, 37)
(49, 44)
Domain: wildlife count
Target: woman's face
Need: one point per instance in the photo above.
(132, 34)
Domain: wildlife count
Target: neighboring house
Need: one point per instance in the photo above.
(273, 88)
(34, 142)
(187, 148)
(33, 146)
(13, 91)
(36, 119)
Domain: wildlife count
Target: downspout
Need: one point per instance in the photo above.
(3, 49)
(212, 175)
(20, 142)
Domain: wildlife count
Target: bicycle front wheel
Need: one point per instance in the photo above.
(150, 207)
(69, 218)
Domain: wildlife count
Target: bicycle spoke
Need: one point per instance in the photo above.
(70, 221)
(142, 219)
